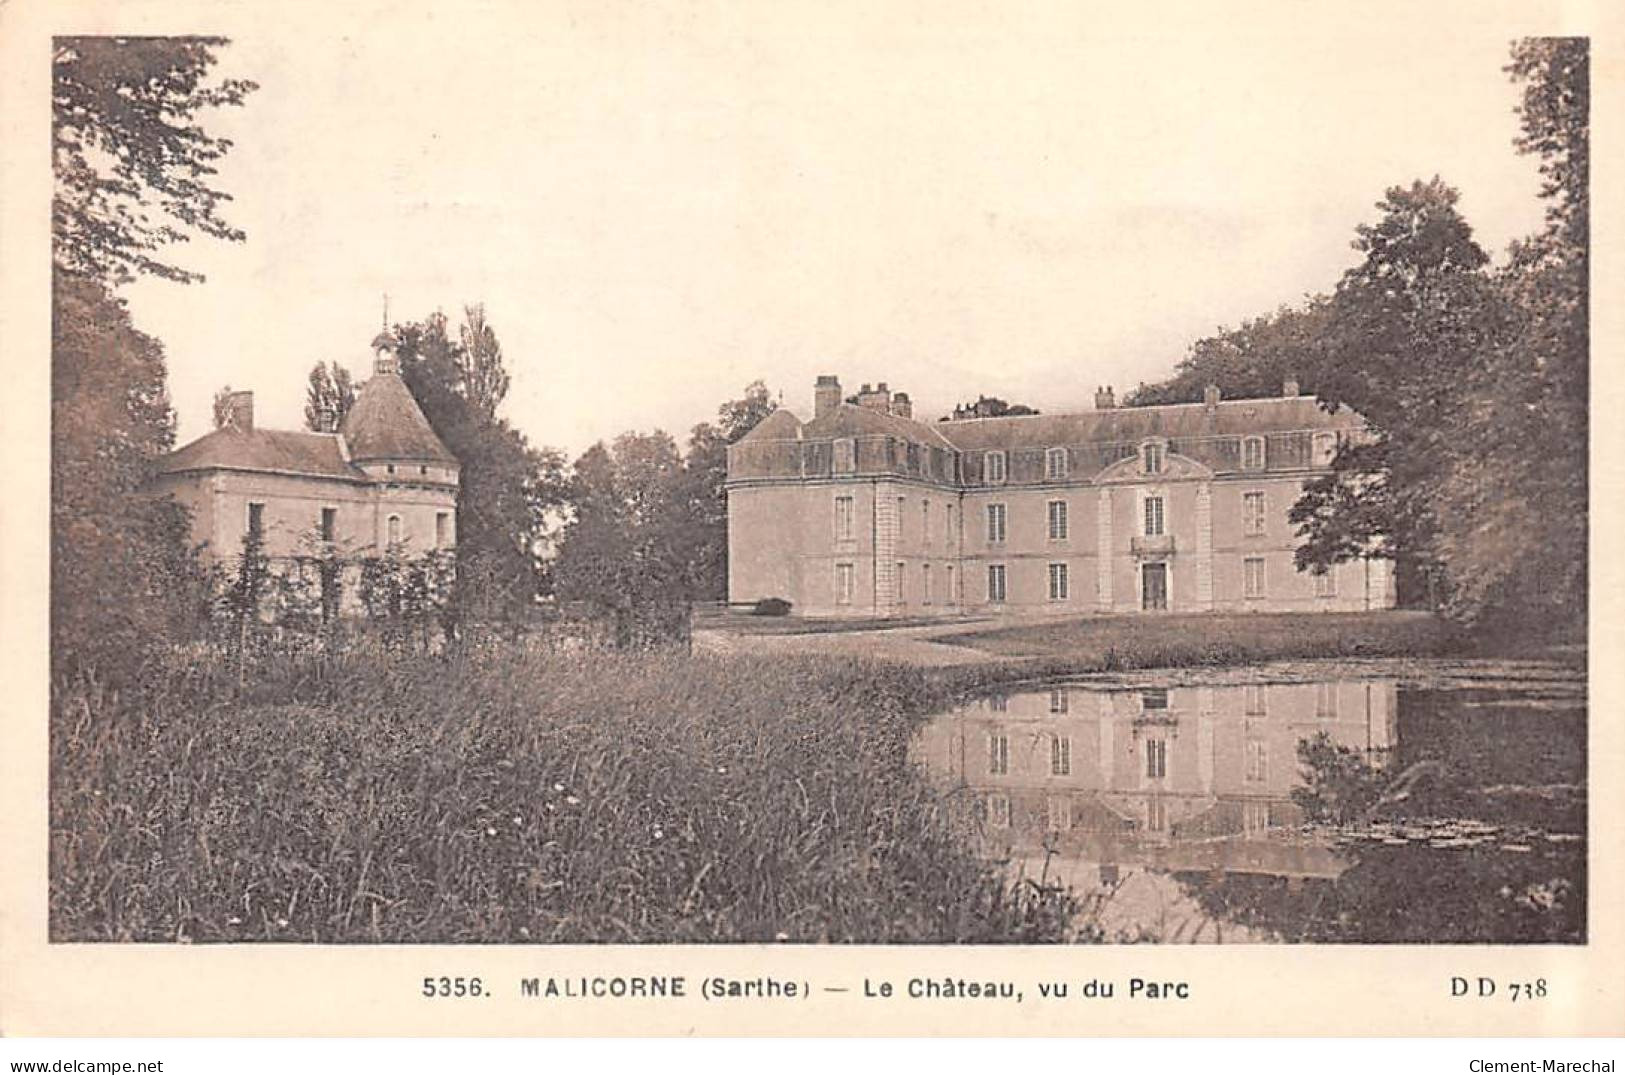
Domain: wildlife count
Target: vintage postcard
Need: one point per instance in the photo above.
(893, 518)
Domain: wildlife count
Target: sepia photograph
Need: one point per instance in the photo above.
(704, 475)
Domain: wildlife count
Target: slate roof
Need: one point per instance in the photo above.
(780, 425)
(315, 454)
(1231, 417)
(849, 420)
(386, 423)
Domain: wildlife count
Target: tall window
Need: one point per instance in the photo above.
(951, 597)
(998, 811)
(993, 468)
(925, 584)
(1059, 700)
(843, 584)
(995, 582)
(442, 530)
(1151, 455)
(1326, 583)
(394, 529)
(925, 522)
(995, 524)
(1154, 517)
(256, 520)
(1156, 758)
(902, 571)
(1255, 704)
(1252, 512)
(1325, 449)
(1060, 813)
(1060, 755)
(1252, 453)
(948, 523)
(1258, 761)
(1326, 700)
(846, 455)
(900, 513)
(329, 523)
(1058, 588)
(1252, 577)
(998, 754)
(843, 518)
(1156, 815)
(1055, 464)
(1057, 520)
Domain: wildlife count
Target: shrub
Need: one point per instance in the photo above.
(771, 606)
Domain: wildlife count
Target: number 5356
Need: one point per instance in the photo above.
(452, 987)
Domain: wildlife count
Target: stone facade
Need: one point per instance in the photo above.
(864, 511)
(383, 484)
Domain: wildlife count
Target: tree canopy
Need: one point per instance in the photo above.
(508, 491)
(328, 398)
(1473, 379)
(122, 575)
(133, 166)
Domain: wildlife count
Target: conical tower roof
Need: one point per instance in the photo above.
(385, 422)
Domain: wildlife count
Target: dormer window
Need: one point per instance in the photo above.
(1055, 464)
(846, 452)
(1325, 449)
(1252, 453)
(1151, 456)
(993, 468)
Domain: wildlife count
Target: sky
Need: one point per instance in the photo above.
(659, 204)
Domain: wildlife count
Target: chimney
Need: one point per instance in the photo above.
(1210, 395)
(240, 411)
(1290, 387)
(902, 406)
(876, 399)
(826, 395)
(1105, 398)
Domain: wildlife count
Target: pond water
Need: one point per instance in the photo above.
(1289, 809)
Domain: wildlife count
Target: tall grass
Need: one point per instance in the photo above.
(504, 796)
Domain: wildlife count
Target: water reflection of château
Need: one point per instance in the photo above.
(1169, 778)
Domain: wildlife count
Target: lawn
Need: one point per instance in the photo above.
(1170, 641)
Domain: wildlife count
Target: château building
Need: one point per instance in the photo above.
(865, 511)
(383, 483)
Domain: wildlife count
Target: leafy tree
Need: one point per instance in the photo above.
(509, 492)
(988, 407)
(123, 577)
(484, 378)
(133, 166)
(626, 548)
(222, 406)
(328, 398)
(1250, 361)
(1515, 507)
(1407, 325)
(704, 548)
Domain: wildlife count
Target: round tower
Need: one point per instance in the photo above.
(387, 437)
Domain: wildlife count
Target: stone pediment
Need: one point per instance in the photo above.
(1175, 468)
